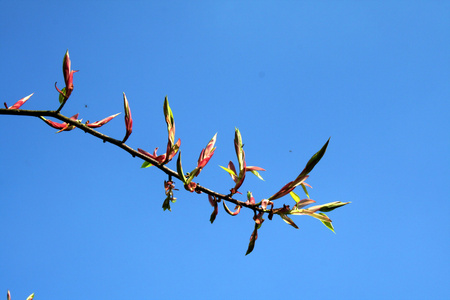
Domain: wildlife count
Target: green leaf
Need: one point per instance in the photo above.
(329, 206)
(180, 169)
(146, 164)
(61, 97)
(213, 217)
(328, 224)
(257, 174)
(239, 149)
(166, 204)
(253, 238)
(191, 176)
(314, 160)
(321, 217)
(30, 297)
(305, 190)
(295, 196)
(288, 220)
(308, 212)
(169, 120)
(229, 171)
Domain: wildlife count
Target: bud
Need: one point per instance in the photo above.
(101, 122)
(19, 103)
(128, 119)
(68, 77)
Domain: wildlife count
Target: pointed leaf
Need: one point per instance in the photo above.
(19, 103)
(30, 297)
(328, 206)
(303, 203)
(321, 217)
(295, 197)
(288, 220)
(101, 122)
(180, 169)
(166, 204)
(128, 118)
(231, 167)
(169, 120)
(308, 212)
(229, 171)
(314, 160)
(253, 239)
(206, 155)
(146, 164)
(213, 203)
(304, 189)
(238, 146)
(286, 189)
(256, 174)
(328, 224)
(61, 95)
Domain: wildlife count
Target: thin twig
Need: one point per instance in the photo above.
(118, 143)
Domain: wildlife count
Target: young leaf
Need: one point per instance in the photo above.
(146, 164)
(328, 206)
(101, 122)
(169, 120)
(256, 174)
(253, 239)
(303, 203)
(321, 217)
(288, 220)
(308, 212)
(213, 203)
(295, 196)
(61, 97)
(314, 160)
(166, 204)
(30, 297)
(304, 189)
(328, 224)
(180, 169)
(231, 172)
(128, 118)
(19, 103)
(238, 146)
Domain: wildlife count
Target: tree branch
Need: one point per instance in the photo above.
(118, 143)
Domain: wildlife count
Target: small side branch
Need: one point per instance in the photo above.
(118, 143)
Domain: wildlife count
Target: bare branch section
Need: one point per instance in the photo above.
(237, 173)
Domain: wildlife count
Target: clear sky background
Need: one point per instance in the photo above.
(79, 219)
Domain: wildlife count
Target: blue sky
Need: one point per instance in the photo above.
(80, 219)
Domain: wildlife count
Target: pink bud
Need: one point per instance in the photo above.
(161, 158)
(191, 186)
(206, 154)
(62, 126)
(101, 122)
(19, 103)
(265, 202)
(128, 119)
(68, 77)
(250, 199)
